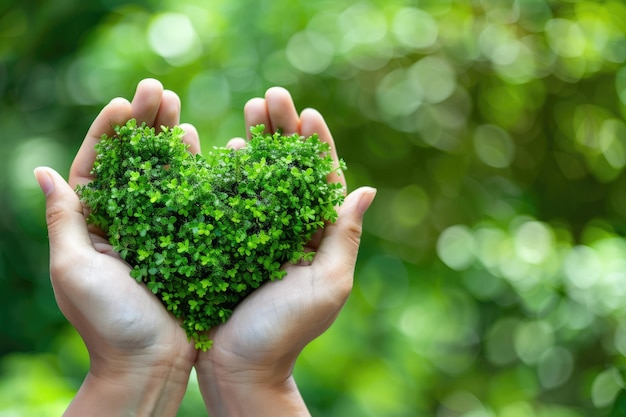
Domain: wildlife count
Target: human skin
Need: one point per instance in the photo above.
(248, 371)
(140, 357)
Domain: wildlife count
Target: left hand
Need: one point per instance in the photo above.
(248, 370)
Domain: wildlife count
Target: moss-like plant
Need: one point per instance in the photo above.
(202, 233)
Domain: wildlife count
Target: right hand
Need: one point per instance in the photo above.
(140, 358)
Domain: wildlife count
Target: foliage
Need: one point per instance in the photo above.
(203, 233)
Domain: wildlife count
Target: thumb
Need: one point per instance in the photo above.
(67, 229)
(340, 242)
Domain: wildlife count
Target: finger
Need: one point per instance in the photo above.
(117, 112)
(147, 100)
(311, 121)
(191, 137)
(340, 242)
(236, 143)
(68, 236)
(255, 113)
(168, 113)
(281, 110)
(67, 229)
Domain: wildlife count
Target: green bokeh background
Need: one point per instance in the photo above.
(492, 274)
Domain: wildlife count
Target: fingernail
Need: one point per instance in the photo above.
(45, 180)
(366, 199)
(117, 100)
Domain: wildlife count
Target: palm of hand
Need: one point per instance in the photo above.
(125, 313)
(273, 324)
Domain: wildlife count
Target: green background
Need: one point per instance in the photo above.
(492, 274)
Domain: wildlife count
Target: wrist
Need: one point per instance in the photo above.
(249, 384)
(141, 388)
(239, 397)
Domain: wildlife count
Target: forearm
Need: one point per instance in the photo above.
(151, 391)
(258, 399)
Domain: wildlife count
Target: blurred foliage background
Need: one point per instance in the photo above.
(492, 275)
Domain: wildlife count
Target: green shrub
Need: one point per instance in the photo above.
(202, 233)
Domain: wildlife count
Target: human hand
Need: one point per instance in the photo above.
(140, 358)
(248, 370)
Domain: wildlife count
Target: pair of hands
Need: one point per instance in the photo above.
(140, 357)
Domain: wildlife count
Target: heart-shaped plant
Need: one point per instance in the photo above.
(202, 233)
